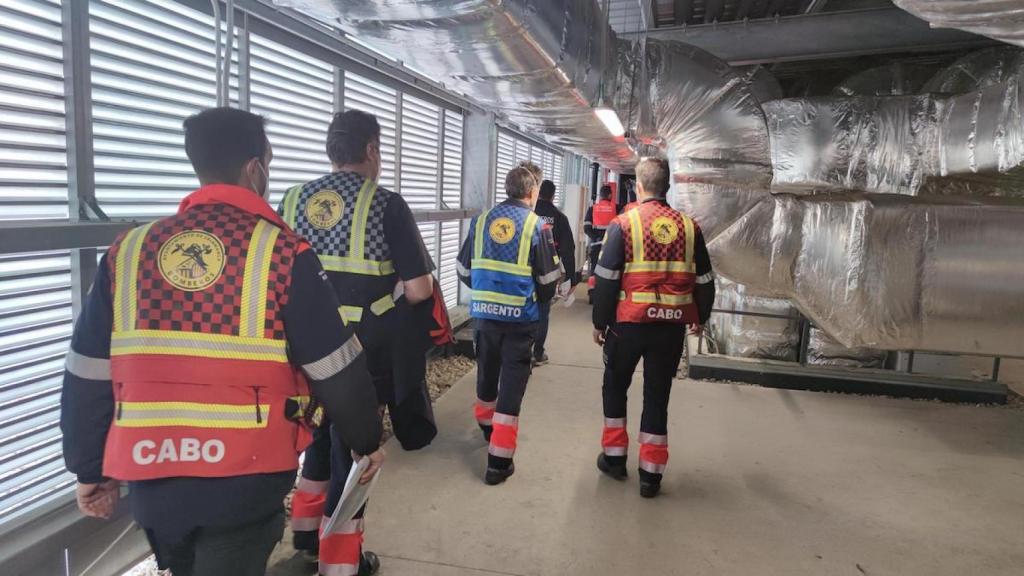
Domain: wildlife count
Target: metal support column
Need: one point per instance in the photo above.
(339, 89)
(78, 122)
(244, 63)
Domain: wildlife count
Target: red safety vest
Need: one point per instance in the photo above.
(630, 206)
(659, 275)
(603, 214)
(198, 352)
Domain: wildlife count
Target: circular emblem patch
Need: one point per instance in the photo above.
(664, 230)
(324, 209)
(502, 230)
(191, 260)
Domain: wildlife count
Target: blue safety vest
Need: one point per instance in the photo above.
(503, 287)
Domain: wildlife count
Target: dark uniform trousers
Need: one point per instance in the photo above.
(504, 356)
(660, 345)
(241, 550)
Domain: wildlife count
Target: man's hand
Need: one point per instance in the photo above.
(599, 336)
(696, 330)
(98, 500)
(376, 460)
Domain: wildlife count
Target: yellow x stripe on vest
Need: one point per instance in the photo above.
(522, 265)
(640, 262)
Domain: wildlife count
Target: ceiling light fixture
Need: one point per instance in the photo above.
(611, 121)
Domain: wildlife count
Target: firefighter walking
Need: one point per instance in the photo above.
(654, 277)
(595, 224)
(508, 259)
(375, 259)
(188, 369)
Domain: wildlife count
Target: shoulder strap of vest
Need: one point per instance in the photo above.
(636, 229)
(256, 278)
(526, 239)
(478, 234)
(291, 204)
(126, 269)
(357, 246)
(688, 230)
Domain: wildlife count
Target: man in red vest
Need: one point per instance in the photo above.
(595, 223)
(191, 364)
(654, 277)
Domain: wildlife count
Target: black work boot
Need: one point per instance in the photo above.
(369, 564)
(495, 476)
(487, 430)
(611, 467)
(650, 484)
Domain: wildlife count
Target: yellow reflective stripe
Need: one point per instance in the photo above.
(382, 305)
(255, 279)
(191, 414)
(357, 266)
(350, 313)
(499, 298)
(688, 227)
(127, 274)
(478, 236)
(220, 346)
(499, 266)
(636, 228)
(357, 248)
(291, 204)
(656, 298)
(660, 266)
(526, 239)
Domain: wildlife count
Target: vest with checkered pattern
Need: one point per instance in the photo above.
(353, 249)
(501, 272)
(659, 272)
(200, 372)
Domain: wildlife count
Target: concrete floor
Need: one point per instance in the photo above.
(761, 482)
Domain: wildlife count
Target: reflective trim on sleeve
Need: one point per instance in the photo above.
(334, 362)
(461, 269)
(550, 277)
(607, 273)
(87, 367)
(706, 278)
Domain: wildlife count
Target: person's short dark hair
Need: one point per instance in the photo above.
(348, 136)
(220, 141)
(547, 190)
(654, 174)
(519, 182)
(606, 192)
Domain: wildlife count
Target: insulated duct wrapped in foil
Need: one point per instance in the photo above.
(544, 65)
(999, 19)
(823, 350)
(979, 69)
(753, 336)
(898, 144)
(888, 272)
(896, 79)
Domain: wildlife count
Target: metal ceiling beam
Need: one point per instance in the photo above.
(819, 36)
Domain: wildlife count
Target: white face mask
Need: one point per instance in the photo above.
(265, 193)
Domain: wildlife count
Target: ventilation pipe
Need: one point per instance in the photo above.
(999, 19)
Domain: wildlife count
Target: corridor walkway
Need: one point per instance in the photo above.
(761, 482)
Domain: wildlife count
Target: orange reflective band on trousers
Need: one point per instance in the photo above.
(503, 439)
(653, 452)
(615, 439)
(308, 505)
(340, 551)
(484, 412)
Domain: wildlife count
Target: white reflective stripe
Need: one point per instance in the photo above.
(354, 526)
(399, 291)
(614, 422)
(652, 467)
(607, 273)
(501, 452)
(485, 422)
(616, 451)
(550, 277)
(87, 367)
(489, 405)
(305, 524)
(706, 278)
(338, 569)
(313, 486)
(336, 361)
(461, 269)
(654, 439)
(505, 419)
